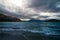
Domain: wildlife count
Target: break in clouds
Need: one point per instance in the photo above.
(37, 9)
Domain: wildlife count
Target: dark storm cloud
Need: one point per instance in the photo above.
(33, 8)
(44, 5)
(2, 11)
(39, 4)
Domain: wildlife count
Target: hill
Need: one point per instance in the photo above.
(4, 18)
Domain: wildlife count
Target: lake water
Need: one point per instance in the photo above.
(47, 28)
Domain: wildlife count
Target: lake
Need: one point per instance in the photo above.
(47, 29)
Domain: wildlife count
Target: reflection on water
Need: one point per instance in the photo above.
(47, 28)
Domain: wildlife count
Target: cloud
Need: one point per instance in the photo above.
(29, 8)
(46, 5)
(39, 4)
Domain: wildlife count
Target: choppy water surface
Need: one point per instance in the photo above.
(47, 28)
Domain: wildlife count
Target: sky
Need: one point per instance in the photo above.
(32, 9)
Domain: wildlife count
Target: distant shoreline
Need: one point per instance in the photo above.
(4, 18)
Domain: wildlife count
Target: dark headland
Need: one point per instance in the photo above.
(5, 18)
